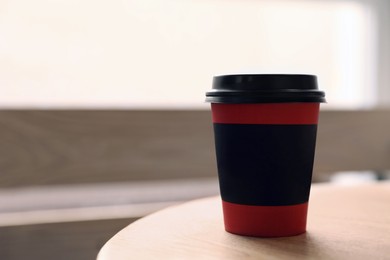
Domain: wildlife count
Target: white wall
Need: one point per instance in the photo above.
(163, 53)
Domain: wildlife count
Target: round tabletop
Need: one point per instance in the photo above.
(344, 222)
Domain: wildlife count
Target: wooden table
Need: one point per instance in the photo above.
(345, 222)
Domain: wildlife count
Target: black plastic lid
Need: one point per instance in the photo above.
(265, 88)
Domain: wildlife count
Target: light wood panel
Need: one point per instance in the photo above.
(59, 147)
(43, 147)
(353, 140)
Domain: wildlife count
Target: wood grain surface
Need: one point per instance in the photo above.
(62, 147)
(343, 223)
(44, 147)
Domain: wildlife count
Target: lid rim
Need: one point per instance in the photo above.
(258, 101)
(228, 92)
(263, 88)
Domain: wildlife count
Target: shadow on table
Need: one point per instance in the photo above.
(301, 245)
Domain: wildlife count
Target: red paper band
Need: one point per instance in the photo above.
(265, 221)
(266, 113)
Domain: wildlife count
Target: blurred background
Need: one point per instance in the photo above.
(102, 113)
(162, 54)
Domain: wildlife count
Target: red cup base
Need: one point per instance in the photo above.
(265, 221)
